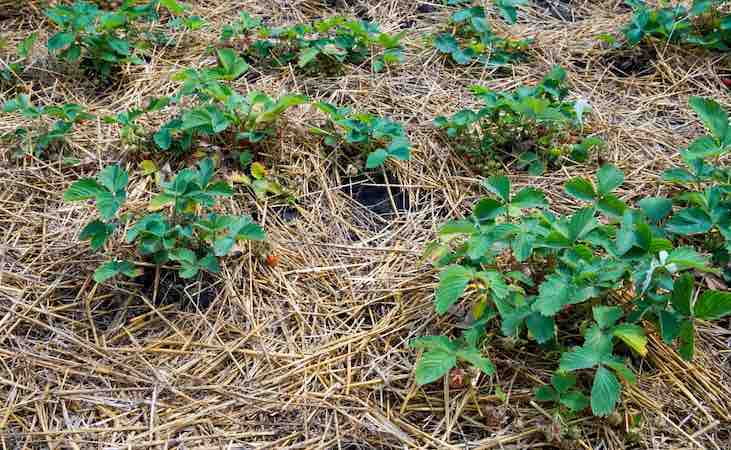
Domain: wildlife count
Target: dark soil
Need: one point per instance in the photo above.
(373, 194)
(175, 290)
(560, 9)
(635, 64)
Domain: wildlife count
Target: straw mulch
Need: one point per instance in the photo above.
(312, 353)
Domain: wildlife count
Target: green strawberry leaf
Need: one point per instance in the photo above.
(609, 178)
(604, 392)
(500, 186)
(433, 365)
(475, 358)
(656, 208)
(713, 305)
(84, 189)
(581, 189)
(712, 115)
(453, 281)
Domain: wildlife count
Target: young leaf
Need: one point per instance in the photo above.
(686, 346)
(97, 232)
(689, 221)
(487, 210)
(508, 9)
(632, 335)
(542, 328)
(553, 295)
(232, 65)
(111, 269)
(611, 206)
(702, 148)
(60, 40)
(173, 6)
(446, 43)
(606, 316)
(546, 393)
(113, 178)
(669, 325)
(529, 198)
(575, 401)
(84, 189)
(579, 358)
(687, 258)
(108, 204)
(581, 223)
(434, 343)
(563, 381)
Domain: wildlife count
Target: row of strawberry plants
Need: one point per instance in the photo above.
(191, 234)
(536, 275)
(208, 106)
(103, 40)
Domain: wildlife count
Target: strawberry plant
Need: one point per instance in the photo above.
(131, 132)
(322, 46)
(212, 109)
(705, 213)
(537, 124)
(220, 108)
(100, 39)
(103, 40)
(38, 141)
(361, 133)
(12, 72)
(208, 109)
(471, 39)
(188, 233)
(547, 278)
(703, 25)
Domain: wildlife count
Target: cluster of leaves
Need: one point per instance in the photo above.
(257, 178)
(377, 137)
(216, 110)
(220, 112)
(15, 68)
(132, 133)
(103, 39)
(705, 198)
(471, 38)
(703, 25)
(536, 123)
(580, 262)
(549, 277)
(187, 233)
(322, 46)
(38, 140)
(219, 108)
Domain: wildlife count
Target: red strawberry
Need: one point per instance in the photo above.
(272, 260)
